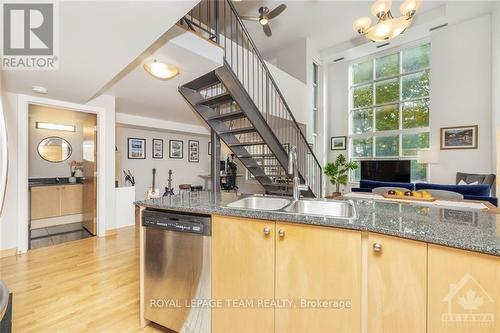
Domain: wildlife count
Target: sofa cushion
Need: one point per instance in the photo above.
(475, 190)
(371, 184)
(492, 200)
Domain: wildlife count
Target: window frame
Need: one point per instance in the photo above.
(316, 95)
(374, 134)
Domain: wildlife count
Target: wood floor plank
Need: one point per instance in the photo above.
(88, 285)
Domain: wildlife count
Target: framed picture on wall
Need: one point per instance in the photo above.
(461, 137)
(193, 151)
(338, 143)
(136, 149)
(176, 149)
(157, 148)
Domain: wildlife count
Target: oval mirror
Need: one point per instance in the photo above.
(54, 149)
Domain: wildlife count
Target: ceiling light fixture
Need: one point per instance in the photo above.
(55, 127)
(39, 90)
(161, 70)
(387, 26)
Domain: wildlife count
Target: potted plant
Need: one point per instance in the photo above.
(338, 171)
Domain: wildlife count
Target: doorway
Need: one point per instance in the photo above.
(62, 175)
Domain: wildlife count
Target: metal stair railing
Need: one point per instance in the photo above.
(218, 21)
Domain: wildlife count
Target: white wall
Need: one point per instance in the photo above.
(40, 168)
(460, 95)
(337, 109)
(291, 58)
(460, 87)
(106, 168)
(495, 38)
(8, 220)
(183, 172)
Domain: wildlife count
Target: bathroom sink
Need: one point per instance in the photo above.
(336, 209)
(260, 203)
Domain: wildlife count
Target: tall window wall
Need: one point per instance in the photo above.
(389, 108)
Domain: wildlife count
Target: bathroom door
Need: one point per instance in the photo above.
(89, 173)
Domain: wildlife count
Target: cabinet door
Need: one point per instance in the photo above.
(242, 271)
(464, 291)
(397, 279)
(71, 199)
(45, 202)
(319, 269)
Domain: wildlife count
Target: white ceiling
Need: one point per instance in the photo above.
(97, 40)
(325, 23)
(139, 93)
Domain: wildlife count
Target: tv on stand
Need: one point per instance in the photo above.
(387, 170)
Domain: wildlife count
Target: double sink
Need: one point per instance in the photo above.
(336, 209)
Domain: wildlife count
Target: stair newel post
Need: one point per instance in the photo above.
(215, 162)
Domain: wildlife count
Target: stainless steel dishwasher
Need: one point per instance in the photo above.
(177, 270)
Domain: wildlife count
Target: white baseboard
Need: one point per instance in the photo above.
(53, 221)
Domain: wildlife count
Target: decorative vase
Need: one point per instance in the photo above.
(72, 179)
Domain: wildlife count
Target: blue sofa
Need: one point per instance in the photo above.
(369, 185)
(479, 192)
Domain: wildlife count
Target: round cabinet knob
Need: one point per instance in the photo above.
(377, 247)
(267, 231)
(281, 233)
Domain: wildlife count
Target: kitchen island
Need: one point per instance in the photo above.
(393, 267)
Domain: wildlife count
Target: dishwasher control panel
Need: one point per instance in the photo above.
(176, 222)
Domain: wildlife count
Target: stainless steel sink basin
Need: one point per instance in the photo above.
(336, 209)
(260, 203)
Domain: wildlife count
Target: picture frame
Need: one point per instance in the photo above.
(193, 151)
(157, 147)
(136, 148)
(338, 143)
(176, 149)
(459, 137)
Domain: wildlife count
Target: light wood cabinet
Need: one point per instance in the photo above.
(242, 270)
(397, 284)
(316, 268)
(319, 268)
(45, 202)
(463, 291)
(373, 282)
(71, 200)
(55, 201)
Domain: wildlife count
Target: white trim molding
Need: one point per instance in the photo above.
(24, 101)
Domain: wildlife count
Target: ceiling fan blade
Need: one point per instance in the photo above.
(267, 30)
(276, 11)
(249, 18)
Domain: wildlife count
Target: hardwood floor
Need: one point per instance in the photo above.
(89, 285)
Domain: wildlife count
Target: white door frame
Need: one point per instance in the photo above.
(23, 103)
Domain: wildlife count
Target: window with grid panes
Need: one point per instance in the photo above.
(389, 108)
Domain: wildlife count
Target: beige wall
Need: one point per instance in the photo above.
(40, 168)
(183, 172)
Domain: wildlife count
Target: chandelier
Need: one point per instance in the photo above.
(387, 26)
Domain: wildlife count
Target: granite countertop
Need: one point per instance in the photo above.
(465, 229)
(63, 181)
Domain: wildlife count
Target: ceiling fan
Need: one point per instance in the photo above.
(264, 16)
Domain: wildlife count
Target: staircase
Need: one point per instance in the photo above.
(241, 102)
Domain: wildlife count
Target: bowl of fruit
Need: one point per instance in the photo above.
(409, 195)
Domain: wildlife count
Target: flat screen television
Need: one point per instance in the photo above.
(386, 171)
